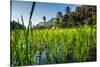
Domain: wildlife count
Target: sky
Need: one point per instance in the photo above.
(41, 9)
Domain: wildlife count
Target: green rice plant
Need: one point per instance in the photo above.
(61, 45)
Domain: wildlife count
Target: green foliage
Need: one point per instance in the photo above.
(49, 46)
(82, 15)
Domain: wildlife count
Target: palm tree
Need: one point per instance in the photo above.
(66, 17)
(59, 17)
(44, 19)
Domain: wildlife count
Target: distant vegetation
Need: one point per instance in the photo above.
(82, 15)
(15, 25)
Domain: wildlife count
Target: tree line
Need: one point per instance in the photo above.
(84, 14)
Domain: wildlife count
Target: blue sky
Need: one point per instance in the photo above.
(41, 9)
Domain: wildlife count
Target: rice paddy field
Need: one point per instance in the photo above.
(53, 46)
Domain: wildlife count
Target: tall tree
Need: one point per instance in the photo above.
(66, 17)
(67, 10)
(59, 18)
(44, 18)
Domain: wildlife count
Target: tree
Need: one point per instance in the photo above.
(59, 14)
(44, 18)
(59, 18)
(85, 14)
(66, 17)
(80, 13)
(16, 25)
(67, 10)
